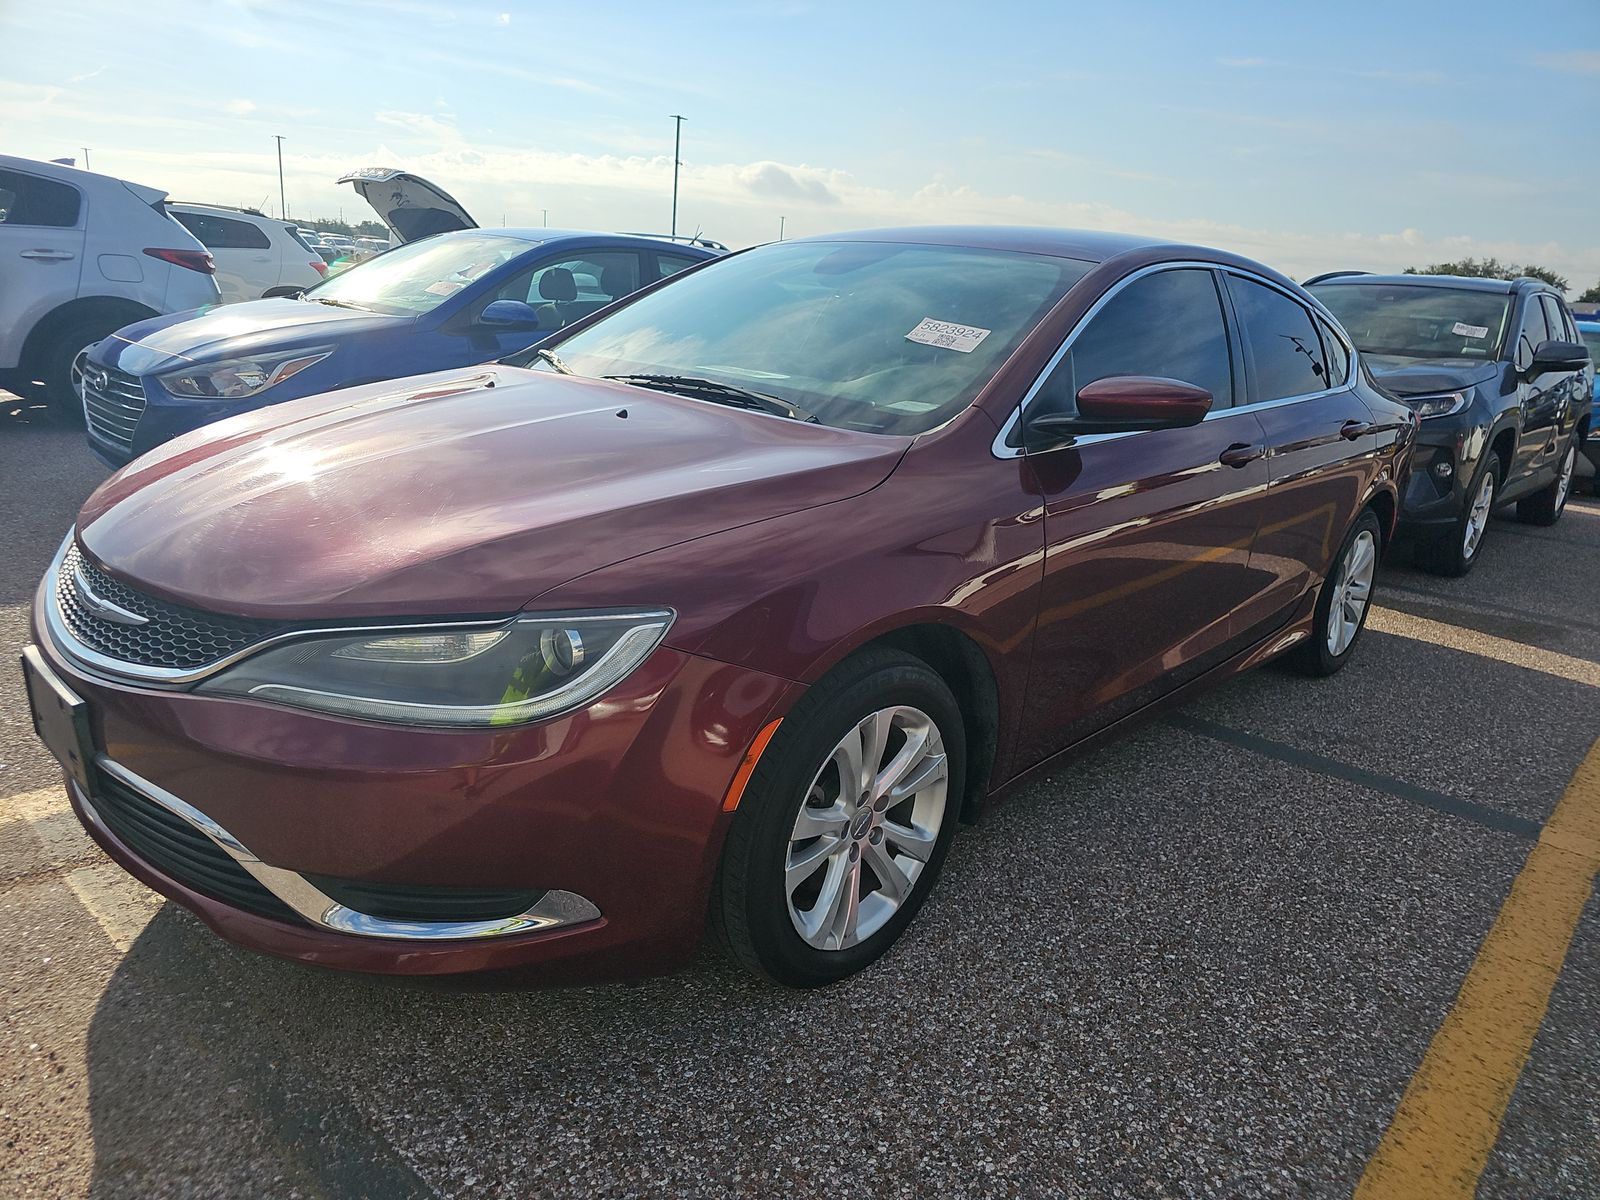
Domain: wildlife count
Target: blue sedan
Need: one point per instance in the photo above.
(1589, 331)
(451, 300)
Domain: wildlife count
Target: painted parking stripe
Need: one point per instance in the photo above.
(1449, 1118)
(1486, 645)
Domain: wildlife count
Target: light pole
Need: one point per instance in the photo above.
(677, 145)
(781, 220)
(283, 204)
(85, 150)
(546, 213)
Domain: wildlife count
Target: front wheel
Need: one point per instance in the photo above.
(1545, 507)
(844, 824)
(1342, 606)
(1456, 552)
(55, 366)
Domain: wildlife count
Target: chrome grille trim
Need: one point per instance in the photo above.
(113, 401)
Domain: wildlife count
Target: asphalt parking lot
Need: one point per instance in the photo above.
(1208, 960)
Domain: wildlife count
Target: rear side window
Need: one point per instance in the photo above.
(1338, 357)
(1168, 324)
(671, 264)
(223, 233)
(30, 200)
(1286, 354)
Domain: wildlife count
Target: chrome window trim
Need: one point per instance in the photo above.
(1001, 450)
(117, 670)
(554, 908)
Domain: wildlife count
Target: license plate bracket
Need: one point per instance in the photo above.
(60, 718)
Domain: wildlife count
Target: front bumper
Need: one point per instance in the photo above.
(612, 816)
(1433, 502)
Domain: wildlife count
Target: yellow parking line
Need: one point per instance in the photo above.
(1486, 645)
(1449, 1118)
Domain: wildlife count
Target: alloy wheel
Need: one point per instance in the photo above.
(867, 828)
(1569, 464)
(1478, 516)
(1352, 592)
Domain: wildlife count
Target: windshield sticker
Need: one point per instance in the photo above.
(443, 288)
(1470, 331)
(947, 334)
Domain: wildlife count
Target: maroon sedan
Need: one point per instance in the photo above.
(732, 600)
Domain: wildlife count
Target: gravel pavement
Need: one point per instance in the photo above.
(1202, 962)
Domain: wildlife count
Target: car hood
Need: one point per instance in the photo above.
(461, 492)
(206, 334)
(1421, 377)
(408, 204)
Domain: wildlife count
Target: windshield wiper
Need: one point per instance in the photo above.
(554, 359)
(718, 393)
(336, 303)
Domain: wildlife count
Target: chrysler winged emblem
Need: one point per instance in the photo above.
(100, 606)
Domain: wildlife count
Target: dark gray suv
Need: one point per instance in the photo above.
(1498, 375)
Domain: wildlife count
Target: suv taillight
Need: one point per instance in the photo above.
(193, 260)
(320, 267)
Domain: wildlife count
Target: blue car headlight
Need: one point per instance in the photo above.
(236, 378)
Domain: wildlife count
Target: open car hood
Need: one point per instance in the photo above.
(409, 205)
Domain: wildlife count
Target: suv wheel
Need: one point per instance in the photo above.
(55, 365)
(1546, 507)
(1457, 551)
(844, 824)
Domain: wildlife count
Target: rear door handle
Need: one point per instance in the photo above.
(1241, 454)
(1351, 430)
(48, 255)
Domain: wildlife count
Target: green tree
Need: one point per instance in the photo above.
(1491, 268)
(1592, 296)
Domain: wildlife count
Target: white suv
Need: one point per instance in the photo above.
(82, 255)
(256, 256)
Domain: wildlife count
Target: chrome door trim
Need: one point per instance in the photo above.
(1001, 450)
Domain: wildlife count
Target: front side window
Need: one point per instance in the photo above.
(1286, 354)
(1534, 332)
(1168, 324)
(1338, 354)
(876, 336)
(1405, 320)
(1554, 318)
(418, 277)
(30, 200)
(563, 290)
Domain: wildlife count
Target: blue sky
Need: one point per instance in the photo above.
(1371, 135)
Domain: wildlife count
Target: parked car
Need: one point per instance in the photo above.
(1502, 384)
(446, 301)
(81, 255)
(255, 256)
(731, 599)
(1589, 332)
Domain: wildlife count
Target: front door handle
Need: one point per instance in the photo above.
(1241, 454)
(48, 255)
(1351, 430)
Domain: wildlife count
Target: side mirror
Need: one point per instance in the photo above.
(1557, 356)
(1124, 404)
(509, 315)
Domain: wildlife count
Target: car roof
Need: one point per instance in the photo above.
(554, 237)
(1460, 283)
(1089, 245)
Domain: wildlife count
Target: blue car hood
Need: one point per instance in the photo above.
(207, 334)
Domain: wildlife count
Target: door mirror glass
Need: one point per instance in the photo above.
(509, 315)
(1558, 356)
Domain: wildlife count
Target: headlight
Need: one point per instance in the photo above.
(1446, 404)
(233, 378)
(475, 677)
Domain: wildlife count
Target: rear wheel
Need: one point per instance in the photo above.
(1456, 552)
(54, 365)
(844, 824)
(1342, 606)
(1546, 507)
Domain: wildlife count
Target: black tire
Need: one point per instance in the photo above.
(1546, 506)
(54, 365)
(1448, 555)
(750, 904)
(1313, 656)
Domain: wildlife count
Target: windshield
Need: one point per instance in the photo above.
(879, 337)
(1417, 321)
(1591, 339)
(418, 277)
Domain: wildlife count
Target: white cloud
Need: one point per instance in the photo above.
(503, 19)
(87, 75)
(1241, 62)
(240, 108)
(1571, 62)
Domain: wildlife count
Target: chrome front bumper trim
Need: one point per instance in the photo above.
(556, 908)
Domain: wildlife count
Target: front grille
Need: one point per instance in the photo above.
(412, 902)
(173, 637)
(113, 402)
(180, 851)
